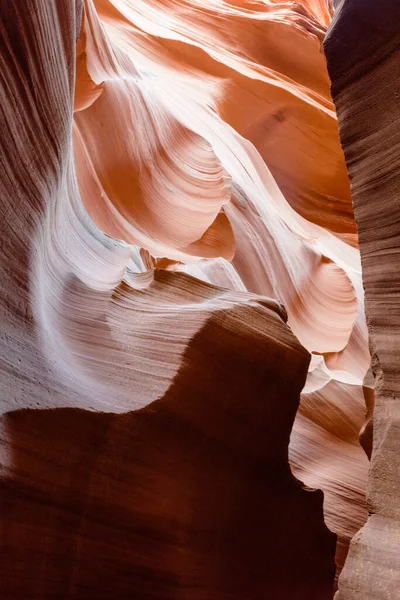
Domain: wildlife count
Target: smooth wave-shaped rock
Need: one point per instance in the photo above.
(174, 192)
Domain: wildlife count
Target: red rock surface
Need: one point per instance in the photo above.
(171, 177)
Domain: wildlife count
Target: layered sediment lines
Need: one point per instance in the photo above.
(366, 88)
(167, 169)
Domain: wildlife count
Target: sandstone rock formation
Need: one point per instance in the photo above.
(166, 169)
(366, 89)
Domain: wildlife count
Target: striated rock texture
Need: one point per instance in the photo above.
(191, 497)
(366, 89)
(166, 169)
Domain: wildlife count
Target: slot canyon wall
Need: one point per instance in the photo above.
(184, 359)
(366, 90)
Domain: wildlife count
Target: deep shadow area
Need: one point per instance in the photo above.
(190, 498)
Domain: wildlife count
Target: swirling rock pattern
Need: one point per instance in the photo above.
(166, 169)
(366, 88)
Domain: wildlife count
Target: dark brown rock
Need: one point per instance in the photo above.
(191, 497)
(363, 54)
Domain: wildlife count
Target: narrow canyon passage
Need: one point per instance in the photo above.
(184, 357)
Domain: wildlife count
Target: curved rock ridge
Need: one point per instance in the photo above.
(169, 86)
(179, 254)
(270, 124)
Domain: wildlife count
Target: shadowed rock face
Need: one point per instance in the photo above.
(191, 497)
(363, 54)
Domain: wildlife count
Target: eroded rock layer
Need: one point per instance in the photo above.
(191, 497)
(166, 170)
(366, 88)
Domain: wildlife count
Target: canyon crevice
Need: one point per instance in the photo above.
(185, 371)
(369, 126)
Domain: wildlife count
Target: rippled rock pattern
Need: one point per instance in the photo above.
(179, 268)
(366, 89)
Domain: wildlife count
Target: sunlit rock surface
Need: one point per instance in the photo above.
(171, 178)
